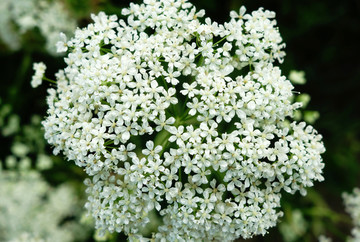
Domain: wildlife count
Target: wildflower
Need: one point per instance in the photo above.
(49, 17)
(37, 78)
(25, 195)
(297, 77)
(352, 206)
(194, 135)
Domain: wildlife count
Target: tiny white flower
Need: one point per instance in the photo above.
(297, 77)
(61, 45)
(37, 78)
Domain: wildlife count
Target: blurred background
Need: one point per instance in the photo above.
(322, 39)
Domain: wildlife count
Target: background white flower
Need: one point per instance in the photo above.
(37, 78)
(34, 211)
(20, 16)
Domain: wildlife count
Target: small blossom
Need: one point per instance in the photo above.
(297, 77)
(48, 18)
(37, 78)
(352, 206)
(61, 45)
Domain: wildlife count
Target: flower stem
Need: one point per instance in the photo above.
(49, 80)
(220, 41)
(162, 139)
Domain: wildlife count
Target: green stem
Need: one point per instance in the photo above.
(220, 40)
(191, 120)
(49, 80)
(109, 142)
(164, 82)
(201, 61)
(162, 139)
(197, 40)
(250, 65)
(20, 77)
(185, 115)
(184, 105)
(180, 171)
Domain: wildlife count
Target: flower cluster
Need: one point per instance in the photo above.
(20, 16)
(352, 205)
(188, 117)
(39, 74)
(33, 211)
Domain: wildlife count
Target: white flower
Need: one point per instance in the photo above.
(297, 77)
(61, 45)
(48, 17)
(154, 117)
(26, 203)
(151, 152)
(352, 206)
(323, 238)
(37, 78)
